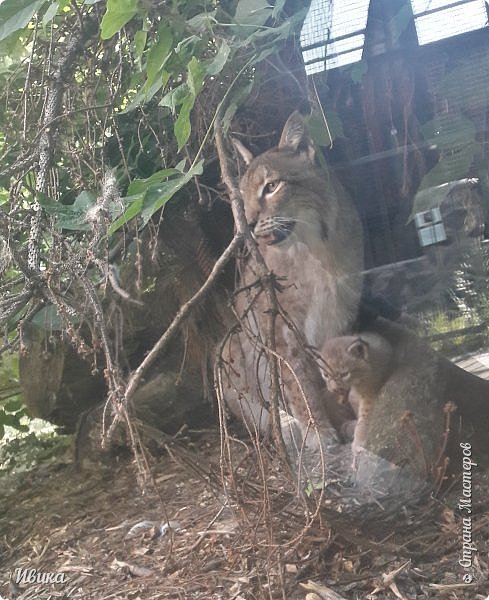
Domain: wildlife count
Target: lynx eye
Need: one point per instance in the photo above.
(271, 187)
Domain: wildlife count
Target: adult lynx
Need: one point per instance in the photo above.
(309, 235)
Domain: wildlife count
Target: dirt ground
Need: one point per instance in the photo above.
(189, 537)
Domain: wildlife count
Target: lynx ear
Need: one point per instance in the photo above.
(242, 151)
(358, 349)
(295, 136)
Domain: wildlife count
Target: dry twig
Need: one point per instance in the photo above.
(388, 582)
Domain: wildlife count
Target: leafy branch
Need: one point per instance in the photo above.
(127, 90)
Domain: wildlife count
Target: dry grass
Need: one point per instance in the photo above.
(243, 541)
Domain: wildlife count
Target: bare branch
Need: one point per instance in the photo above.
(181, 315)
(45, 148)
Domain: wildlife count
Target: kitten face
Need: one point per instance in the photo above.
(345, 363)
(363, 363)
(338, 381)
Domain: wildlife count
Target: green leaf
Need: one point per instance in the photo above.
(358, 70)
(140, 38)
(195, 76)
(139, 186)
(159, 53)
(195, 82)
(455, 137)
(180, 166)
(433, 196)
(4, 196)
(12, 50)
(268, 39)
(158, 196)
(117, 14)
(451, 167)
(264, 54)
(155, 197)
(48, 203)
(219, 60)
(72, 217)
(313, 486)
(278, 8)
(16, 14)
(187, 43)
(145, 95)
(50, 13)
(13, 405)
(398, 24)
(271, 34)
(238, 97)
(449, 131)
(323, 133)
(84, 201)
(252, 12)
(460, 87)
(175, 97)
(202, 22)
(135, 205)
(11, 420)
(183, 128)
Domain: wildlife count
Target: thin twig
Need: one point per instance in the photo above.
(181, 315)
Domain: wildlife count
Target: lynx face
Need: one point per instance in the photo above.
(288, 199)
(281, 199)
(338, 382)
(356, 362)
(346, 363)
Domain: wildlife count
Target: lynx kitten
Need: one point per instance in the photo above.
(356, 368)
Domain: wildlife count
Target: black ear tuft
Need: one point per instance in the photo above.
(358, 349)
(245, 154)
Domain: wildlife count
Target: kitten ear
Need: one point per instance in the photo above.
(242, 151)
(295, 136)
(358, 349)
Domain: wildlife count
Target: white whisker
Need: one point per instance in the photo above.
(279, 220)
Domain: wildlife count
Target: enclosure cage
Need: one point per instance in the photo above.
(404, 86)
